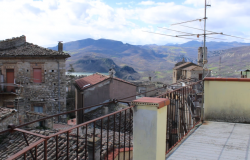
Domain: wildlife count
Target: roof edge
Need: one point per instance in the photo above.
(227, 79)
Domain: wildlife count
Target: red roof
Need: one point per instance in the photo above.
(91, 80)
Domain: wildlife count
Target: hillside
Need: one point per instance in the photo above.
(232, 61)
(102, 65)
(149, 60)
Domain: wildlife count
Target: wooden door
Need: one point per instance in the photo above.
(10, 80)
(37, 75)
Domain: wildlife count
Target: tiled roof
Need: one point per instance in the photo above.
(89, 81)
(15, 142)
(28, 49)
(6, 112)
(183, 65)
(191, 68)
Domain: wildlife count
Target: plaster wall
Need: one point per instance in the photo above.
(120, 90)
(149, 132)
(227, 101)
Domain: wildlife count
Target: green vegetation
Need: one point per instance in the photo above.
(213, 68)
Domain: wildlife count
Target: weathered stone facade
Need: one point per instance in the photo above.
(7, 117)
(46, 92)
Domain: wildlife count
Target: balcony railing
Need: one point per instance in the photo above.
(101, 138)
(104, 137)
(182, 114)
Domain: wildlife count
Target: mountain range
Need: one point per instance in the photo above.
(153, 60)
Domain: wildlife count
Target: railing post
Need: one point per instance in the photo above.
(149, 128)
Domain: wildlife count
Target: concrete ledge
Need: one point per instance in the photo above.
(150, 101)
(227, 79)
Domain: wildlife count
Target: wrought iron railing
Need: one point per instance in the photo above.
(99, 138)
(180, 113)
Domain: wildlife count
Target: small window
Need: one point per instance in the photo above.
(38, 109)
(27, 70)
(52, 70)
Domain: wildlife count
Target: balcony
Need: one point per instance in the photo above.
(168, 126)
(7, 88)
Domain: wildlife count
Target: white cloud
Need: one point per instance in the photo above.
(48, 21)
(147, 3)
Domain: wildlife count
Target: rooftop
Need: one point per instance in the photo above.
(89, 81)
(215, 140)
(184, 65)
(19, 47)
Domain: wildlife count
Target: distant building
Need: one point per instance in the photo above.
(186, 70)
(98, 88)
(29, 79)
(144, 86)
(245, 73)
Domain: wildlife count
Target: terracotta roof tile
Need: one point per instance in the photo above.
(89, 81)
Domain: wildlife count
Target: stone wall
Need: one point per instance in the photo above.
(11, 119)
(45, 93)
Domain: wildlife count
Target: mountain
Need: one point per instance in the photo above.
(211, 45)
(153, 60)
(229, 62)
(100, 64)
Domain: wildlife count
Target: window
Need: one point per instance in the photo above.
(38, 109)
(200, 76)
(37, 75)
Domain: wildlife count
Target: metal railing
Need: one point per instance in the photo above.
(96, 139)
(181, 113)
(104, 137)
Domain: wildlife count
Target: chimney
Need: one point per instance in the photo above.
(60, 46)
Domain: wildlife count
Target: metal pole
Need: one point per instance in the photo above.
(204, 50)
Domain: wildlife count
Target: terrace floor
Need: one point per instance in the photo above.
(215, 141)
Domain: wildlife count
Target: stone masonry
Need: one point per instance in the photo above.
(23, 58)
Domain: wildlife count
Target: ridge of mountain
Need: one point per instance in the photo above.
(212, 45)
(158, 59)
(100, 64)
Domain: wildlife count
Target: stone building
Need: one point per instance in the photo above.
(186, 70)
(98, 88)
(32, 77)
(144, 86)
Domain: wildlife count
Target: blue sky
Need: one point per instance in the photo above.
(45, 22)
